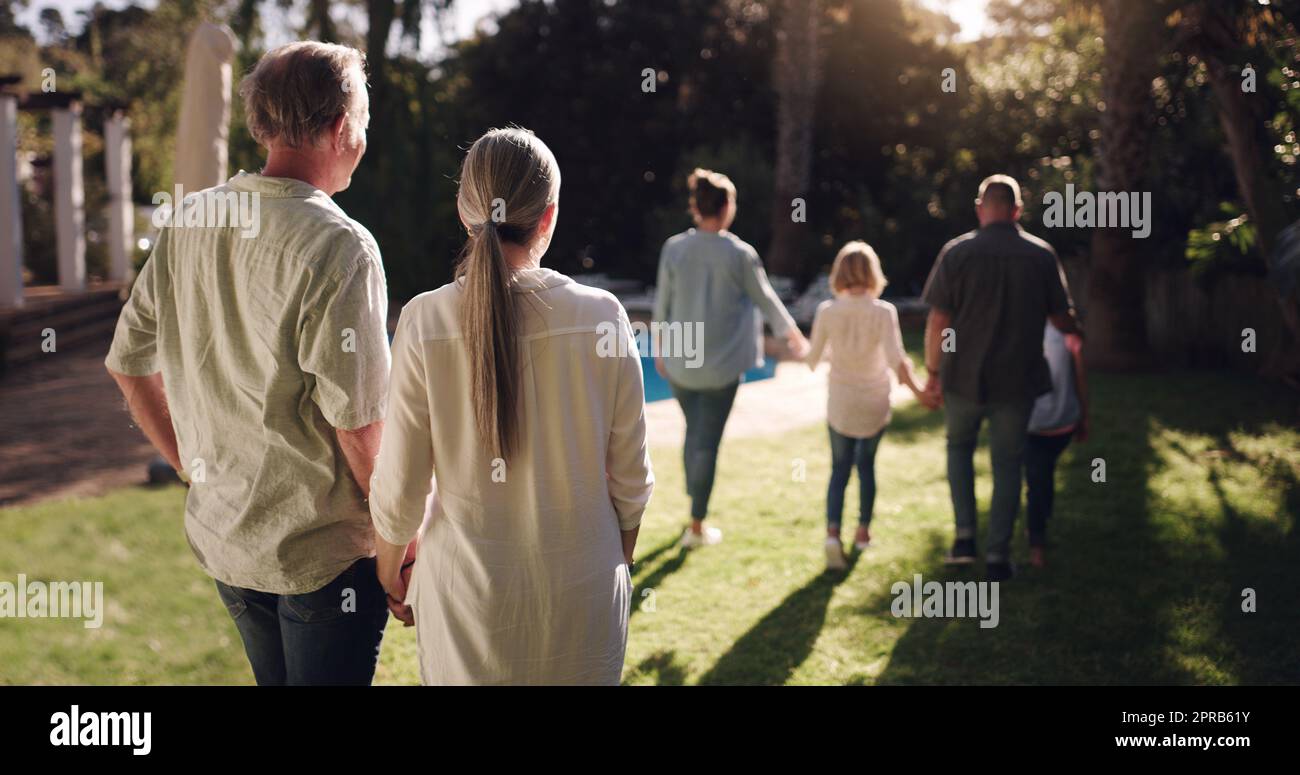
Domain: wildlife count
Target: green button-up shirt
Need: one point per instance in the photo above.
(269, 334)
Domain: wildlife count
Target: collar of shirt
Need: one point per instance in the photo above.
(537, 279)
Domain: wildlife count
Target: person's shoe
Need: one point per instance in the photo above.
(999, 571)
(963, 552)
(1037, 557)
(707, 537)
(862, 541)
(835, 555)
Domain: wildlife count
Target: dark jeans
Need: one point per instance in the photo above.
(1041, 454)
(846, 453)
(327, 637)
(1008, 425)
(706, 415)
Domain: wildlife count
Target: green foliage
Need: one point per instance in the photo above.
(896, 160)
(1223, 243)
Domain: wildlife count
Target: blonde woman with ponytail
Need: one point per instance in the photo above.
(506, 392)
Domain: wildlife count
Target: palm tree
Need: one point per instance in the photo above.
(1116, 322)
(797, 77)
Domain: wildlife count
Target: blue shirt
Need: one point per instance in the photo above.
(715, 281)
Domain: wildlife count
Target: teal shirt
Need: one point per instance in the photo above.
(716, 281)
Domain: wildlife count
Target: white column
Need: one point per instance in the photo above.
(11, 218)
(69, 198)
(121, 220)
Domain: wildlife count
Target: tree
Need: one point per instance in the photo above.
(1222, 35)
(1116, 323)
(797, 77)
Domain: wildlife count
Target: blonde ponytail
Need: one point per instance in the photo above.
(508, 180)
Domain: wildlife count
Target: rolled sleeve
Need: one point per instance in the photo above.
(134, 351)
(1058, 294)
(760, 292)
(818, 339)
(627, 459)
(344, 346)
(894, 352)
(938, 292)
(403, 472)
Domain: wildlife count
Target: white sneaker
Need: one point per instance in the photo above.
(835, 555)
(710, 536)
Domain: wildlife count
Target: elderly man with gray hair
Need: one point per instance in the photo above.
(256, 361)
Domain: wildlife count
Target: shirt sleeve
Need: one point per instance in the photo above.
(893, 341)
(817, 342)
(663, 287)
(627, 459)
(938, 291)
(134, 351)
(1058, 294)
(403, 475)
(344, 345)
(760, 292)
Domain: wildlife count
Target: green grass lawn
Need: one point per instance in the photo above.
(1144, 586)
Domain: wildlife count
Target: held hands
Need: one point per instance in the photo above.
(798, 343)
(931, 397)
(1081, 428)
(395, 578)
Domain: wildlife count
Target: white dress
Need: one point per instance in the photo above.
(520, 576)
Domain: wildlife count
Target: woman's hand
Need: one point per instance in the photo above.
(798, 343)
(1081, 428)
(394, 570)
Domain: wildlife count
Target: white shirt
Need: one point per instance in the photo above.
(520, 576)
(866, 345)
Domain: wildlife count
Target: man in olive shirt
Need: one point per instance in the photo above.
(990, 293)
(254, 355)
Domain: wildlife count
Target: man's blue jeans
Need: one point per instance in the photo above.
(1008, 424)
(329, 637)
(706, 415)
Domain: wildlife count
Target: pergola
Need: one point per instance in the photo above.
(69, 195)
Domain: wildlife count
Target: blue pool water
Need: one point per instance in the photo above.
(656, 387)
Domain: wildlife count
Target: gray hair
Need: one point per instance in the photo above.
(298, 90)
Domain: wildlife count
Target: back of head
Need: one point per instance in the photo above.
(710, 192)
(857, 266)
(298, 90)
(508, 180)
(999, 199)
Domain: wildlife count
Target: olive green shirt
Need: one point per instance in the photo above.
(266, 342)
(1000, 284)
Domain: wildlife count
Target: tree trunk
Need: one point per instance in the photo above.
(1116, 318)
(797, 77)
(1242, 117)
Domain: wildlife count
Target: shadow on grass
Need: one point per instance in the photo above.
(777, 645)
(1254, 554)
(1123, 601)
(663, 666)
(652, 580)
